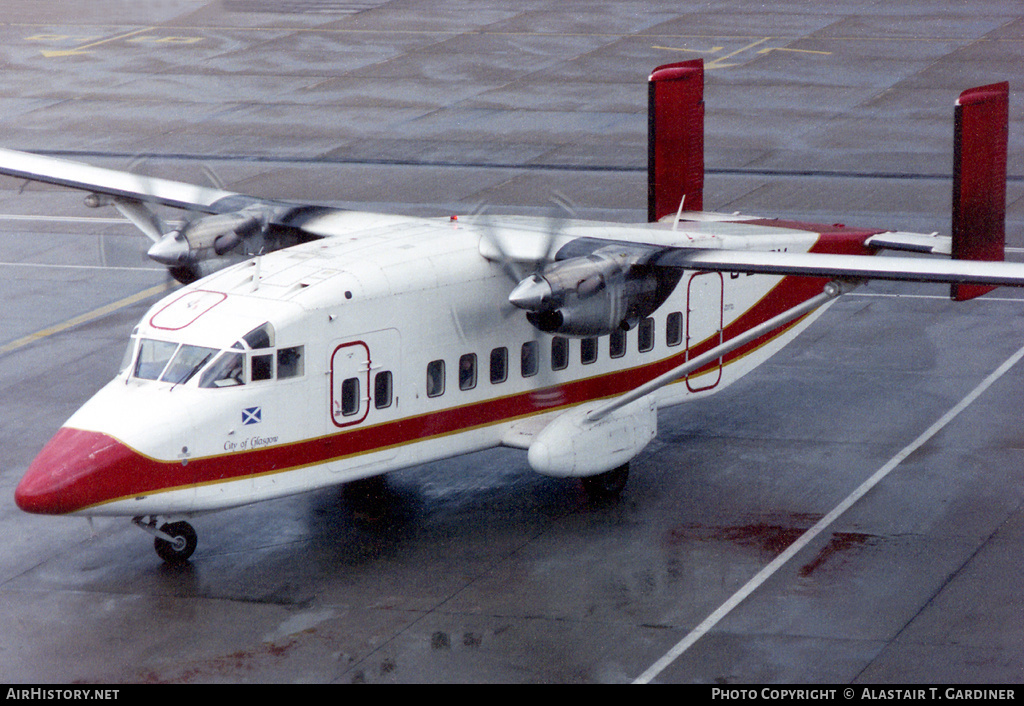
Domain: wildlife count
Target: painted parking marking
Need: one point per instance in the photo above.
(87, 44)
(798, 51)
(150, 39)
(87, 48)
(723, 62)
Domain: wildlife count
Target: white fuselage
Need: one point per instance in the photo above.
(410, 352)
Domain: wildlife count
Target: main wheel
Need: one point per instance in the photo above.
(607, 485)
(178, 551)
(367, 498)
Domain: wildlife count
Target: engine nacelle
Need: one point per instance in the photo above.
(221, 232)
(593, 295)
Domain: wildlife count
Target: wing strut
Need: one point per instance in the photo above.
(832, 290)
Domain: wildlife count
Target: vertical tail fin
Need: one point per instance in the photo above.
(675, 139)
(979, 179)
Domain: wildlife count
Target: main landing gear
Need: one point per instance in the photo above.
(607, 485)
(174, 541)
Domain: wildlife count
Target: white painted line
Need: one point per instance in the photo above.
(764, 574)
(44, 265)
(61, 219)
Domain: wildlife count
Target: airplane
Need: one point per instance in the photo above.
(312, 346)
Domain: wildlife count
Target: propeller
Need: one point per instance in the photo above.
(186, 246)
(525, 276)
(540, 256)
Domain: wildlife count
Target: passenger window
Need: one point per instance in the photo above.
(262, 367)
(382, 389)
(349, 397)
(559, 353)
(290, 363)
(226, 371)
(467, 371)
(499, 365)
(674, 329)
(588, 350)
(528, 359)
(617, 344)
(645, 335)
(435, 378)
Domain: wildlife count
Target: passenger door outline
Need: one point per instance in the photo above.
(350, 361)
(704, 320)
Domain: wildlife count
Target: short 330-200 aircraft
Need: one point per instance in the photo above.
(314, 346)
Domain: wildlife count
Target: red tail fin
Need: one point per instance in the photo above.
(979, 179)
(675, 138)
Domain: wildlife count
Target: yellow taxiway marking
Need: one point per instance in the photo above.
(720, 62)
(85, 318)
(84, 49)
(712, 50)
(801, 51)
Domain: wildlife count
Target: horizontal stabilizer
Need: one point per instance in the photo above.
(911, 242)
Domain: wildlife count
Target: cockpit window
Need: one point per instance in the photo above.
(176, 363)
(129, 353)
(186, 363)
(226, 371)
(290, 362)
(262, 367)
(169, 362)
(262, 337)
(153, 358)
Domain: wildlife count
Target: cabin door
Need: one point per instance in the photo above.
(704, 317)
(363, 371)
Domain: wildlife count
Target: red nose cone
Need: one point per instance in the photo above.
(75, 470)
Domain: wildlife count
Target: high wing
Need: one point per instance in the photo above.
(682, 236)
(603, 278)
(220, 224)
(113, 183)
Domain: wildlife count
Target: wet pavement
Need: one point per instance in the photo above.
(479, 570)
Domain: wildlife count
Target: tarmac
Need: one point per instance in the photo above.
(850, 513)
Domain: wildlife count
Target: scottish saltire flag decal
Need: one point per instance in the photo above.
(252, 415)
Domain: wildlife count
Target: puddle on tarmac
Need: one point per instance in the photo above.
(771, 538)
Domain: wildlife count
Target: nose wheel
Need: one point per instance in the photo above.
(179, 548)
(174, 542)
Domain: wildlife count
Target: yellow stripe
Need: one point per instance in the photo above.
(84, 318)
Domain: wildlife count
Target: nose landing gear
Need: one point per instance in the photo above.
(174, 542)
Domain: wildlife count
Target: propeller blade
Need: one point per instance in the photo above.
(490, 233)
